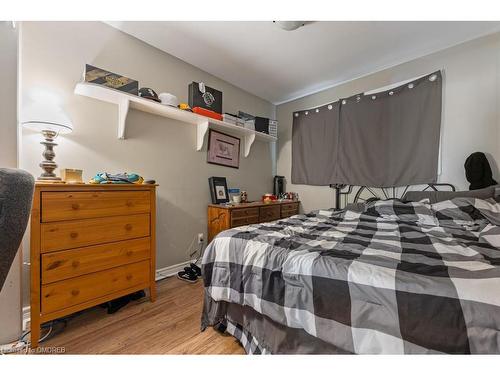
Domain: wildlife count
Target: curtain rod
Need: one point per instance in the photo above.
(374, 91)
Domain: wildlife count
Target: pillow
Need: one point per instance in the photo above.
(397, 210)
(439, 196)
(472, 213)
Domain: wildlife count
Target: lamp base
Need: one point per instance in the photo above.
(48, 165)
(49, 179)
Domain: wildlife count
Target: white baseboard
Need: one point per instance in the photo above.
(26, 317)
(170, 270)
(161, 274)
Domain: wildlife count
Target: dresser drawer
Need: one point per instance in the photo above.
(238, 222)
(63, 294)
(289, 209)
(57, 206)
(77, 233)
(244, 212)
(270, 213)
(66, 264)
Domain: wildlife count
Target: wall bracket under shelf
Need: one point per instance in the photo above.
(126, 101)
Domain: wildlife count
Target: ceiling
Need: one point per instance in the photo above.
(279, 65)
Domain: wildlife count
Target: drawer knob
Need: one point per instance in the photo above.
(75, 292)
(129, 253)
(128, 226)
(75, 206)
(129, 277)
(73, 234)
(129, 204)
(75, 263)
(53, 265)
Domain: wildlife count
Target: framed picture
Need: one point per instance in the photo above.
(223, 149)
(218, 190)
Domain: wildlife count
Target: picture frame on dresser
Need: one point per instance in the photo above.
(218, 190)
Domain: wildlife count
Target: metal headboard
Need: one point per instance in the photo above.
(355, 194)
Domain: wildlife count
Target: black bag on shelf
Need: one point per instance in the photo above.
(204, 97)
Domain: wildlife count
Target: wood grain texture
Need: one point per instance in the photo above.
(80, 263)
(269, 213)
(222, 217)
(71, 205)
(35, 267)
(78, 233)
(77, 290)
(60, 265)
(245, 212)
(152, 246)
(169, 326)
(218, 220)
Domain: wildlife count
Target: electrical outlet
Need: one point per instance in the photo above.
(200, 238)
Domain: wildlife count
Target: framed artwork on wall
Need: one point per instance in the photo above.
(218, 190)
(223, 149)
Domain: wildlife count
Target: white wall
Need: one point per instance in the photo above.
(471, 111)
(53, 59)
(10, 295)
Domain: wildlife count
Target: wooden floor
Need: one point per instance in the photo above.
(171, 325)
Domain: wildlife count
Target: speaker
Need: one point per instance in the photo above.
(279, 185)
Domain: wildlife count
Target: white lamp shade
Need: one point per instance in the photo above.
(46, 117)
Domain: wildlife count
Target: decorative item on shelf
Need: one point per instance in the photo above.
(119, 178)
(289, 196)
(245, 116)
(205, 97)
(218, 190)
(72, 176)
(147, 93)
(185, 107)
(233, 119)
(244, 197)
(207, 113)
(115, 81)
(273, 128)
(267, 126)
(50, 120)
(168, 99)
(223, 149)
(268, 198)
(235, 195)
(262, 125)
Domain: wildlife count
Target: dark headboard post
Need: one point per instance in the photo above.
(337, 188)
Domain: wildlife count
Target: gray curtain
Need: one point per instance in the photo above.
(386, 139)
(314, 145)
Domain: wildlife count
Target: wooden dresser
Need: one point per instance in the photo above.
(221, 217)
(89, 244)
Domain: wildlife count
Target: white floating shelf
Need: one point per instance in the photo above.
(126, 101)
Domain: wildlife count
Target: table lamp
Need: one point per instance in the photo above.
(50, 121)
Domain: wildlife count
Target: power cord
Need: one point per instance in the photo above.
(199, 251)
(53, 328)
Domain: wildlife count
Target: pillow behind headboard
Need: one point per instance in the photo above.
(439, 196)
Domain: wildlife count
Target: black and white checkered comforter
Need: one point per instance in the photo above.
(394, 278)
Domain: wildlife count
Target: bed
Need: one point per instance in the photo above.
(387, 276)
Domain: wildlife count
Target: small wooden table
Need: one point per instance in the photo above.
(222, 217)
